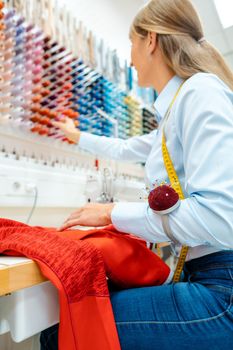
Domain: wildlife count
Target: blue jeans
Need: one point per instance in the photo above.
(195, 314)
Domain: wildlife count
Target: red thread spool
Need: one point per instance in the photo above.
(36, 128)
(67, 86)
(46, 56)
(44, 130)
(45, 111)
(53, 115)
(68, 95)
(36, 80)
(37, 61)
(46, 121)
(47, 39)
(68, 112)
(35, 118)
(46, 83)
(45, 92)
(46, 65)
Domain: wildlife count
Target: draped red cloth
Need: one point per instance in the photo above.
(77, 263)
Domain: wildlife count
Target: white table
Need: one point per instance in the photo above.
(28, 303)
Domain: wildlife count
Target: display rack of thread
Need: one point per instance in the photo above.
(22, 61)
(124, 108)
(149, 122)
(54, 89)
(16, 66)
(87, 98)
(113, 100)
(42, 81)
(135, 113)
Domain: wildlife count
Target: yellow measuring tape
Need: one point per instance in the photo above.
(175, 183)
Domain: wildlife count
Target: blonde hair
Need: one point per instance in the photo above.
(180, 37)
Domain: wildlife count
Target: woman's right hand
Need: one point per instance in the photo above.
(67, 126)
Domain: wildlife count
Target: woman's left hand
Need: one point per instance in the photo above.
(93, 214)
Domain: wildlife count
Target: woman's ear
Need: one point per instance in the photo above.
(152, 42)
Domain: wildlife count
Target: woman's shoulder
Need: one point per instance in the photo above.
(207, 82)
(200, 95)
(203, 87)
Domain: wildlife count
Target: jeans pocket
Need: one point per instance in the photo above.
(221, 277)
(218, 281)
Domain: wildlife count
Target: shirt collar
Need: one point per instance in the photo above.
(165, 97)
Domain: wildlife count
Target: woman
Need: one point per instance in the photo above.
(170, 54)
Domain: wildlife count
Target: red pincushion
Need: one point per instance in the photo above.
(162, 198)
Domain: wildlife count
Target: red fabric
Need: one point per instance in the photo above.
(77, 263)
(128, 261)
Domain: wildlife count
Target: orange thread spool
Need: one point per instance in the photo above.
(35, 118)
(36, 90)
(53, 115)
(45, 111)
(46, 121)
(36, 98)
(35, 108)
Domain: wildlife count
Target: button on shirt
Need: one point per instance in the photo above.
(199, 134)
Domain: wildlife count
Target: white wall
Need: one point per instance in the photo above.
(109, 19)
(214, 31)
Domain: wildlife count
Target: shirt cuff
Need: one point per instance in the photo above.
(139, 220)
(88, 141)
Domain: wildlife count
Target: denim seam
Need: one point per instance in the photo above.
(231, 274)
(210, 267)
(181, 322)
(219, 288)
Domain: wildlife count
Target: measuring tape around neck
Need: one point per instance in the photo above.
(175, 183)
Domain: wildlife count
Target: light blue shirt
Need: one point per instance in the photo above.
(199, 133)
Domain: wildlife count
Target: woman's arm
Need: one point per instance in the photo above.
(135, 149)
(205, 129)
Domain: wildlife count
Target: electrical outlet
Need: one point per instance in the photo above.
(16, 186)
(30, 187)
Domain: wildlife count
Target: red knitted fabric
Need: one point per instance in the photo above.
(76, 268)
(78, 264)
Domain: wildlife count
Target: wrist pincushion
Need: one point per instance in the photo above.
(163, 199)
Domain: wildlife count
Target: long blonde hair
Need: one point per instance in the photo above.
(179, 33)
